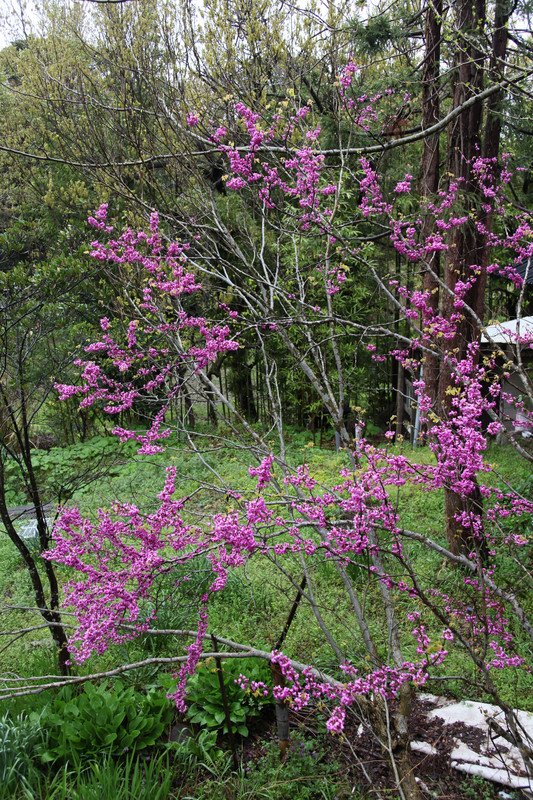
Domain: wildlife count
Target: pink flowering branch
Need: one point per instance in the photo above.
(121, 555)
(148, 369)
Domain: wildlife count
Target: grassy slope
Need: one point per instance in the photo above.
(256, 602)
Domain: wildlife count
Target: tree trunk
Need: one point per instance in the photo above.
(188, 416)
(469, 245)
(466, 246)
(392, 732)
(243, 389)
(50, 614)
(430, 173)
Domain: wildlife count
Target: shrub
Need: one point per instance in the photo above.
(204, 699)
(112, 719)
(18, 740)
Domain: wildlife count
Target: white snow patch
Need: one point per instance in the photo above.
(424, 747)
(498, 760)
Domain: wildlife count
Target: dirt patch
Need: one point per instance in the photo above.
(360, 754)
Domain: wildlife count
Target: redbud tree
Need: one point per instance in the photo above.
(295, 295)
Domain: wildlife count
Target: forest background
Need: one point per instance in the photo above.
(349, 198)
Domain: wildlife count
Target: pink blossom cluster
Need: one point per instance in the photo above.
(252, 687)
(491, 178)
(263, 473)
(300, 175)
(194, 651)
(142, 357)
(360, 109)
(120, 555)
(304, 688)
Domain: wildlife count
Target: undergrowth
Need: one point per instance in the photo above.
(252, 609)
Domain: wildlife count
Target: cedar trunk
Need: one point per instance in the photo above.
(468, 249)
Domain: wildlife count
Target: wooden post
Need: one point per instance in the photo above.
(226, 707)
(282, 708)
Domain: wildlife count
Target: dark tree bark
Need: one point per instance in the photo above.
(243, 389)
(468, 249)
(430, 170)
(49, 610)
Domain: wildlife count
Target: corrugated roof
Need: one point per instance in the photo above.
(525, 268)
(506, 332)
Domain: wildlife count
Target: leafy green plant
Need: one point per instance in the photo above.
(477, 788)
(195, 754)
(65, 469)
(131, 778)
(136, 778)
(306, 774)
(19, 737)
(205, 704)
(190, 750)
(112, 719)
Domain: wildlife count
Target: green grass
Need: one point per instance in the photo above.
(255, 604)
